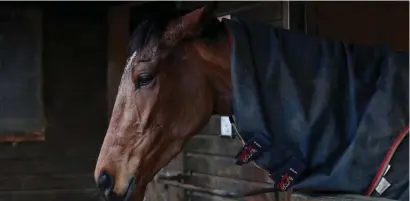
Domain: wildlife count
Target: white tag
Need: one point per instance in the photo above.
(226, 127)
(387, 169)
(225, 16)
(383, 185)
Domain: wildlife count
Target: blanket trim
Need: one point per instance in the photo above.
(386, 160)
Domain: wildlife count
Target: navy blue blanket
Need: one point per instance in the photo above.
(334, 106)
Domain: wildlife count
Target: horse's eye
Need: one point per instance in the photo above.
(143, 80)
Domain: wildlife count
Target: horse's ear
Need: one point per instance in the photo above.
(190, 25)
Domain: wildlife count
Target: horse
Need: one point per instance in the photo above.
(187, 65)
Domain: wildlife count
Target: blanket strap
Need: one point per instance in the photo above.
(282, 178)
(385, 163)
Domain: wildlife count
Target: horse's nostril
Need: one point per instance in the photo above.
(105, 182)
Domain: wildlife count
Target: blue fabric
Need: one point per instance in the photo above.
(334, 105)
(399, 169)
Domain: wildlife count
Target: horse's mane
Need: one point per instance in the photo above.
(154, 26)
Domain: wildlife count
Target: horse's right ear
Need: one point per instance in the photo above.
(190, 25)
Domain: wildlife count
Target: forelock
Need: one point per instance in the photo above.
(152, 28)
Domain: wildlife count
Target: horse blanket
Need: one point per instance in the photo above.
(323, 114)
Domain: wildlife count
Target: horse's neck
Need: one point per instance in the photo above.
(222, 105)
(219, 73)
(223, 93)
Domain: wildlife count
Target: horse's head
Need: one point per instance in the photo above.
(176, 78)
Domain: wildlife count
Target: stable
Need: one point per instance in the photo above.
(60, 67)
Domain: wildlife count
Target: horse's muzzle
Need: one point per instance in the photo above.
(106, 184)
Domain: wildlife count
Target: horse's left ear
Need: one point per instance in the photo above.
(190, 25)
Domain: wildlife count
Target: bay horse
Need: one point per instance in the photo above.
(181, 71)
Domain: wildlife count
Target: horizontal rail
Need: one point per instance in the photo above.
(173, 180)
(336, 197)
(215, 192)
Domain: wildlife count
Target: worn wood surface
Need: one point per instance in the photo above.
(367, 23)
(75, 105)
(21, 107)
(16, 137)
(345, 197)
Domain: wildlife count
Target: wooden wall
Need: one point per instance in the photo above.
(75, 61)
(367, 23)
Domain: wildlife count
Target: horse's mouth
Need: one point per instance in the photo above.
(129, 193)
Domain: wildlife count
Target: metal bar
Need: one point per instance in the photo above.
(216, 192)
(173, 179)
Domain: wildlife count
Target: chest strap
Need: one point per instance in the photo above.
(283, 177)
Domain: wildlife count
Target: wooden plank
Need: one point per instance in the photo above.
(213, 144)
(367, 23)
(311, 21)
(83, 149)
(201, 195)
(277, 24)
(75, 79)
(75, 93)
(197, 196)
(220, 194)
(344, 197)
(51, 195)
(285, 14)
(22, 137)
(224, 7)
(46, 182)
(176, 164)
(234, 185)
(47, 166)
(265, 11)
(160, 192)
(21, 33)
(297, 15)
(224, 167)
(172, 193)
(213, 126)
(157, 191)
